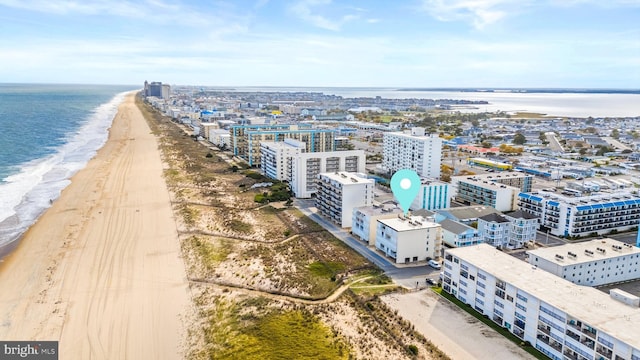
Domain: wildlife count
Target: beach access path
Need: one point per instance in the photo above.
(101, 270)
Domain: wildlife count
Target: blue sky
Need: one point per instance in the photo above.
(414, 43)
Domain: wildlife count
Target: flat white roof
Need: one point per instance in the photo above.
(347, 178)
(549, 253)
(587, 304)
(417, 223)
(379, 210)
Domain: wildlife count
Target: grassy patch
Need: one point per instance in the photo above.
(325, 269)
(210, 254)
(375, 290)
(240, 226)
(275, 334)
(504, 332)
(189, 214)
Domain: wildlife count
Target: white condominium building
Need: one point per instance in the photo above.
(432, 195)
(559, 318)
(275, 162)
(409, 239)
(412, 150)
(582, 215)
(591, 263)
(481, 191)
(339, 192)
(305, 168)
(365, 220)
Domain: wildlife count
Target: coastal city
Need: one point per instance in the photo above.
(527, 219)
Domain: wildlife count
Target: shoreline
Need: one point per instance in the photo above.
(100, 270)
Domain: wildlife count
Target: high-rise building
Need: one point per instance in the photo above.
(433, 195)
(412, 150)
(246, 139)
(340, 192)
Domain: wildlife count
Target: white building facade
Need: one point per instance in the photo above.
(559, 318)
(305, 168)
(494, 230)
(412, 150)
(474, 190)
(591, 263)
(365, 220)
(339, 192)
(409, 239)
(432, 195)
(275, 157)
(584, 215)
(455, 234)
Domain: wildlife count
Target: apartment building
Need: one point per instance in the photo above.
(305, 168)
(340, 192)
(494, 230)
(365, 220)
(523, 228)
(559, 318)
(433, 195)
(408, 239)
(276, 157)
(412, 150)
(475, 190)
(582, 215)
(591, 263)
(246, 139)
(455, 234)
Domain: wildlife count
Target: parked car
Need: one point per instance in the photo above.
(431, 282)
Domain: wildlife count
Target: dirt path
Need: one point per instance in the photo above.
(101, 270)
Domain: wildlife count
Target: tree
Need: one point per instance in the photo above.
(615, 134)
(519, 139)
(486, 144)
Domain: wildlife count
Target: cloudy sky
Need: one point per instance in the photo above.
(428, 43)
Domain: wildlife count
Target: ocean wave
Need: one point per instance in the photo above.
(29, 192)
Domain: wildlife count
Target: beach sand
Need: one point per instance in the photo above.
(101, 270)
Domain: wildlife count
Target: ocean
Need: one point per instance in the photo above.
(47, 134)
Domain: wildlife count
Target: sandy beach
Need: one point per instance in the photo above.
(101, 270)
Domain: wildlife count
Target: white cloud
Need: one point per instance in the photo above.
(480, 13)
(306, 11)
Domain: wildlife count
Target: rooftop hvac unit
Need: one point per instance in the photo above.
(588, 252)
(559, 257)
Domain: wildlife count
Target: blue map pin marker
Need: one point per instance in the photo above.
(405, 185)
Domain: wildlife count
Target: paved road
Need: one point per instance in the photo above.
(554, 144)
(408, 276)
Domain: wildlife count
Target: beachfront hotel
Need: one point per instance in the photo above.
(412, 150)
(340, 192)
(409, 239)
(246, 139)
(561, 319)
(582, 215)
(591, 263)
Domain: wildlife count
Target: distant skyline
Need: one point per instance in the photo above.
(324, 43)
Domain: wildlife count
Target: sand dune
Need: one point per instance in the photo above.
(101, 270)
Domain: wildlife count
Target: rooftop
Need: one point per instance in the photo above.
(401, 223)
(347, 178)
(494, 218)
(469, 212)
(585, 251)
(455, 227)
(590, 305)
(379, 209)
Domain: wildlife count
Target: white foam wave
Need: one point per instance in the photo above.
(25, 195)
